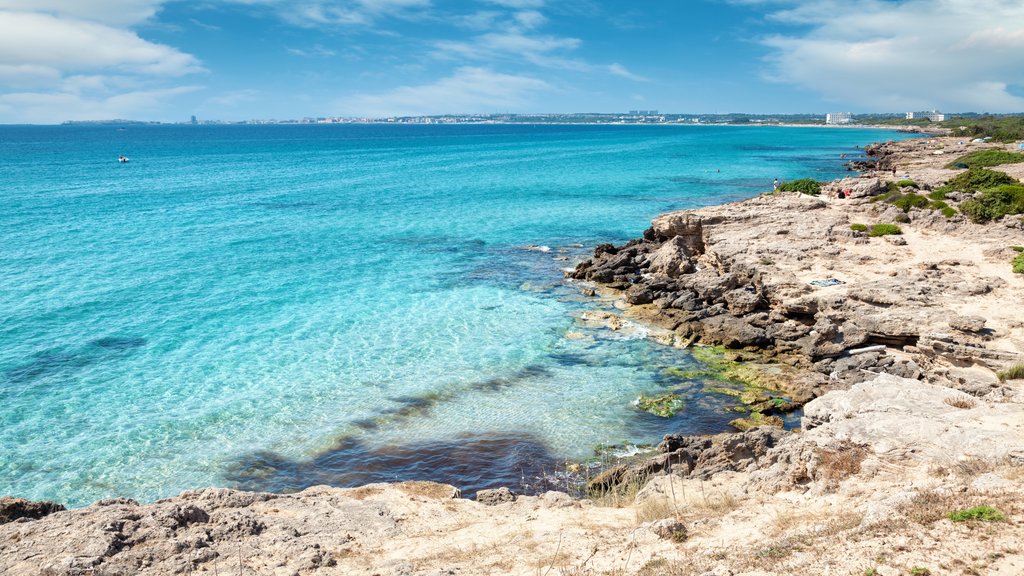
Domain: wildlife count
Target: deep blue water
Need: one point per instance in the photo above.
(278, 306)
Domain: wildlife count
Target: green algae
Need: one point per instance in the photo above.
(664, 405)
(754, 420)
(687, 374)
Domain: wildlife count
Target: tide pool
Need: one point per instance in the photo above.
(272, 307)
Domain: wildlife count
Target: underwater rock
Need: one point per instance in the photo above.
(756, 420)
(666, 405)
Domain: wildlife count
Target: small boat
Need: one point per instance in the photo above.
(122, 159)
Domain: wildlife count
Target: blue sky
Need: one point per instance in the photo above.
(240, 59)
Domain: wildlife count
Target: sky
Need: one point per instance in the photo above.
(167, 60)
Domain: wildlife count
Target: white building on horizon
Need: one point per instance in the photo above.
(838, 118)
(934, 116)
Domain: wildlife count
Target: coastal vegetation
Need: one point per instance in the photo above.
(884, 230)
(978, 513)
(973, 180)
(984, 158)
(907, 201)
(1018, 264)
(935, 199)
(994, 203)
(999, 128)
(1015, 372)
(804, 185)
(859, 227)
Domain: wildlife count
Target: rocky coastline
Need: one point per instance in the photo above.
(896, 346)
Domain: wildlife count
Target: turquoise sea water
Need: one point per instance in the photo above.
(279, 306)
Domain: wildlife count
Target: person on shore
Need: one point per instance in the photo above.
(775, 185)
(893, 169)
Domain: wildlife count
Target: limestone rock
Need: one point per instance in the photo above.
(673, 258)
(668, 528)
(495, 496)
(686, 225)
(908, 418)
(967, 323)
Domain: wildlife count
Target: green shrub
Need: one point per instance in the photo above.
(1018, 264)
(908, 201)
(948, 212)
(884, 230)
(995, 203)
(1015, 372)
(937, 195)
(973, 210)
(885, 196)
(982, 513)
(1017, 248)
(859, 227)
(982, 158)
(976, 179)
(803, 185)
(907, 184)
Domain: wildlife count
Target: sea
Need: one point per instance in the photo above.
(272, 307)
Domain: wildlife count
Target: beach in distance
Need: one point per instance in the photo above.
(274, 307)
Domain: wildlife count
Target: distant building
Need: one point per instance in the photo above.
(194, 121)
(934, 116)
(838, 118)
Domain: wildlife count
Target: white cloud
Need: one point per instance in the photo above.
(46, 40)
(909, 55)
(468, 90)
(111, 12)
(80, 59)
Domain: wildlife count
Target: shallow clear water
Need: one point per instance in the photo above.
(279, 306)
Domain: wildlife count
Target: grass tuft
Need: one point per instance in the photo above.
(884, 230)
(859, 227)
(978, 513)
(1015, 372)
(960, 402)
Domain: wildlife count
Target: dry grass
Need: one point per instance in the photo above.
(966, 469)
(715, 504)
(836, 465)
(428, 490)
(656, 509)
(961, 402)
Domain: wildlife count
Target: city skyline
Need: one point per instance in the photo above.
(166, 60)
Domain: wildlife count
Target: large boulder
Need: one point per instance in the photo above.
(685, 225)
(673, 258)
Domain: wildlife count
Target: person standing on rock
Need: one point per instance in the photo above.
(775, 185)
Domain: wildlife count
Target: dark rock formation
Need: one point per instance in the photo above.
(12, 509)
